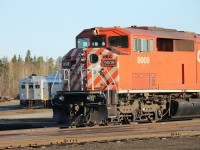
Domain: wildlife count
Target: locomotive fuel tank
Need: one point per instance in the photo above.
(185, 108)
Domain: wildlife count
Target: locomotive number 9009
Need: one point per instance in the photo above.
(109, 63)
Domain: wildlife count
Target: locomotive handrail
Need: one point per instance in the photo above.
(100, 77)
(107, 87)
(52, 88)
(59, 77)
(92, 76)
(67, 78)
(57, 72)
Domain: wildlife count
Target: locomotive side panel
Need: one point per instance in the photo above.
(174, 70)
(125, 72)
(177, 70)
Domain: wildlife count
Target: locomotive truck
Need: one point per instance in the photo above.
(123, 75)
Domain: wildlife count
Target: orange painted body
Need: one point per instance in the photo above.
(165, 71)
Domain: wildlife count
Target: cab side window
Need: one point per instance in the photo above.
(30, 86)
(143, 45)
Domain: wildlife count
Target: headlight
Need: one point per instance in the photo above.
(82, 54)
(83, 60)
(88, 97)
(61, 98)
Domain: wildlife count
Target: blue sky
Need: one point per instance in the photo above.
(48, 27)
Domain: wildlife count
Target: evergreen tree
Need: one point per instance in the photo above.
(5, 81)
(50, 65)
(28, 57)
(58, 63)
(14, 59)
(15, 69)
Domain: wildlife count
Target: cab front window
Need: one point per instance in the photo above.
(83, 42)
(98, 41)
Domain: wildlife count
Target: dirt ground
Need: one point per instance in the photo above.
(12, 110)
(177, 143)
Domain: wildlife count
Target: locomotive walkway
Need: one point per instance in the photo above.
(49, 136)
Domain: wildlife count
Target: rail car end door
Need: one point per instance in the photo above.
(37, 91)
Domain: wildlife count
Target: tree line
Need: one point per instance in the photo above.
(11, 71)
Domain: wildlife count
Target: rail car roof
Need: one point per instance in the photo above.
(50, 78)
(23, 80)
(162, 32)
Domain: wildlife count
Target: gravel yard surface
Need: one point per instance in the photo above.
(177, 143)
(11, 110)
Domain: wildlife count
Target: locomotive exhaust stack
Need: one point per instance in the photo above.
(121, 75)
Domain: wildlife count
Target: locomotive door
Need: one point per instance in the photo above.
(23, 92)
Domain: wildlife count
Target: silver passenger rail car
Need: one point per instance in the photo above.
(38, 90)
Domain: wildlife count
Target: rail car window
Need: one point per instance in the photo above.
(23, 86)
(98, 41)
(183, 45)
(56, 83)
(83, 42)
(165, 44)
(30, 86)
(118, 41)
(140, 45)
(37, 86)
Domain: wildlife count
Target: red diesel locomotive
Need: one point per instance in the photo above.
(122, 75)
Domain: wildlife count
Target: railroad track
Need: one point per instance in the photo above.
(50, 136)
(16, 124)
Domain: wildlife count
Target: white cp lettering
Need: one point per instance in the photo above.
(198, 56)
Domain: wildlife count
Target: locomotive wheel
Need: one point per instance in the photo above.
(153, 118)
(126, 120)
